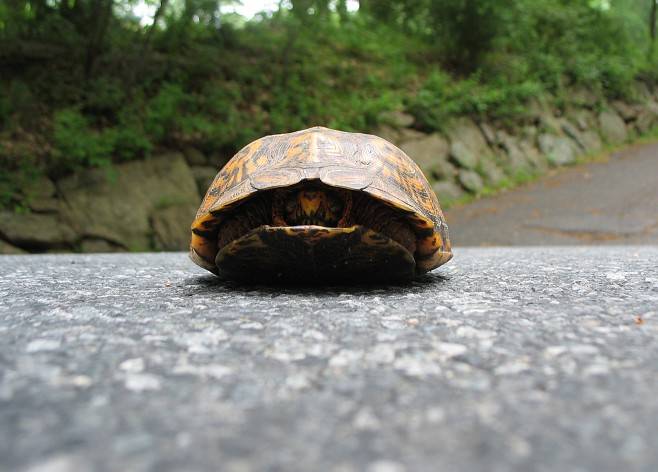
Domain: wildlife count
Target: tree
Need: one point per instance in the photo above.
(100, 15)
(652, 27)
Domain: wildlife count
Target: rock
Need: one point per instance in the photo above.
(591, 141)
(118, 210)
(529, 132)
(397, 118)
(584, 97)
(492, 174)
(639, 108)
(44, 204)
(584, 119)
(36, 231)
(470, 180)
(514, 159)
(582, 124)
(573, 132)
(40, 187)
(170, 233)
(535, 106)
(612, 126)
(407, 134)
(544, 117)
(447, 191)
(431, 154)
(489, 133)
(387, 132)
(443, 169)
(641, 91)
(548, 123)
(462, 155)
(6, 248)
(521, 155)
(194, 157)
(557, 149)
(646, 120)
(39, 195)
(533, 155)
(465, 131)
(467, 143)
(626, 111)
(204, 176)
(98, 245)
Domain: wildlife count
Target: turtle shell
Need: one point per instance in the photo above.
(353, 161)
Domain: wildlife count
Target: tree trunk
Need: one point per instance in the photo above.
(101, 11)
(652, 27)
(149, 34)
(341, 8)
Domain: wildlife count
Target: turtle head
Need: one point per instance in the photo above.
(314, 205)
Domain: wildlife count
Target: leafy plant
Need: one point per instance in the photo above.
(77, 144)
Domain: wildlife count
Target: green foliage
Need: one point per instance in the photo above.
(5, 109)
(22, 168)
(129, 142)
(93, 86)
(466, 30)
(77, 145)
(104, 96)
(163, 111)
(17, 104)
(442, 97)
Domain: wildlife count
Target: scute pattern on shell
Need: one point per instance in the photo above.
(348, 160)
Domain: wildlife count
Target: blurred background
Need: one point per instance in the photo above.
(115, 115)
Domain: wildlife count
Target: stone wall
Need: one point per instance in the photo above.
(138, 206)
(149, 204)
(470, 155)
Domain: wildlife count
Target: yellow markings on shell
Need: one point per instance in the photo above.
(393, 177)
(204, 247)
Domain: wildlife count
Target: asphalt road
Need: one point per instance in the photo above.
(611, 202)
(537, 359)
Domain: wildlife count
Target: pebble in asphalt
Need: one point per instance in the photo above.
(504, 359)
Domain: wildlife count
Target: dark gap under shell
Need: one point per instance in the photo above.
(376, 243)
(315, 253)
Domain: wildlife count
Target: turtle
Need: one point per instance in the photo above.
(319, 205)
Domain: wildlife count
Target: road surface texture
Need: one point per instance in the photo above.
(504, 359)
(613, 202)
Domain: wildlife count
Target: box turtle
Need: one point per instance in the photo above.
(320, 204)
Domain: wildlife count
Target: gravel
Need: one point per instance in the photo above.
(504, 359)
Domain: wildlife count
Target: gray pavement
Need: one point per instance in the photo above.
(504, 359)
(611, 202)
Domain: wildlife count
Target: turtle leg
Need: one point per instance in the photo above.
(347, 199)
(382, 219)
(278, 205)
(251, 214)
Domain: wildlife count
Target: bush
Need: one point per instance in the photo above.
(442, 97)
(130, 142)
(21, 168)
(163, 111)
(78, 145)
(195, 80)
